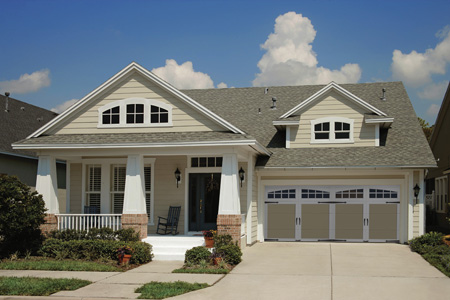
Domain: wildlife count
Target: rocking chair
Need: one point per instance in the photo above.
(170, 223)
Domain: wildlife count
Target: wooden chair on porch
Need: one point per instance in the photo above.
(170, 223)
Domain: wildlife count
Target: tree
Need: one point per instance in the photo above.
(22, 213)
(427, 129)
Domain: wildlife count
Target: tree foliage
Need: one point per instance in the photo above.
(427, 129)
(22, 213)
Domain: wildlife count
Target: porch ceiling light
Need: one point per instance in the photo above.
(241, 175)
(177, 176)
(416, 192)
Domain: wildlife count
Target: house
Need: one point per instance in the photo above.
(438, 178)
(307, 163)
(18, 120)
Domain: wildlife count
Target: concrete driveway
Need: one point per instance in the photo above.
(334, 271)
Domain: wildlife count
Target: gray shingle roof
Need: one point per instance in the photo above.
(21, 120)
(135, 138)
(404, 144)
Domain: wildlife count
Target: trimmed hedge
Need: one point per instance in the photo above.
(126, 235)
(197, 254)
(427, 243)
(94, 249)
(232, 254)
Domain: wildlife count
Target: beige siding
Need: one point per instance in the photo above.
(166, 191)
(416, 221)
(185, 118)
(333, 105)
(75, 188)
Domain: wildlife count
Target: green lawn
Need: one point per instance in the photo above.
(32, 286)
(58, 265)
(161, 290)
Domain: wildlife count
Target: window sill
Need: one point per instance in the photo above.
(136, 125)
(332, 142)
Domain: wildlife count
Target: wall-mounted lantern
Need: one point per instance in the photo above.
(241, 175)
(177, 176)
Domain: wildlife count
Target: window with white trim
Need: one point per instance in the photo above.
(315, 194)
(441, 193)
(135, 112)
(93, 185)
(332, 130)
(117, 188)
(350, 194)
(379, 193)
(282, 194)
(206, 162)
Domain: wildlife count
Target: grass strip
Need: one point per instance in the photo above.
(202, 271)
(58, 265)
(161, 290)
(32, 286)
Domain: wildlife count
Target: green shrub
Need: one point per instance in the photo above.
(232, 254)
(426, 242)
(126, 235)
(22, 212)
(222, 240)
(197, 254)
(94, 249)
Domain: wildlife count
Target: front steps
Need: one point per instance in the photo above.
(169, 247)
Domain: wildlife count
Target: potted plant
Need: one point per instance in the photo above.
(209, 237)
(446, 239)
(124, 254)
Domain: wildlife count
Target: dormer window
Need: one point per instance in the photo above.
(135, 112)
(331, 130)
(111, 116)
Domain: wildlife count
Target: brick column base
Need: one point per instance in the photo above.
(136, 221)
(230, 224)
(50, 224)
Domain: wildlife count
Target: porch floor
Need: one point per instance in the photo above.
(172, 247)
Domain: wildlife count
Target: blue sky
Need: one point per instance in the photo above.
(56, 51)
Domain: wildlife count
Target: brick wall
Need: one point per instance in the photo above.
(230, 224)
(51, 223)
(136, 221)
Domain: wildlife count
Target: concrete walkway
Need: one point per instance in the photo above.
(312, 271)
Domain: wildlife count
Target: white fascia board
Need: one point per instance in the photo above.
(335, 86)
(377, 121)
(135, 66)
(349, 167)
(286, 123)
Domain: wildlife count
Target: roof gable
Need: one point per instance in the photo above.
(332, 86)
(134, 67)
(443, 114)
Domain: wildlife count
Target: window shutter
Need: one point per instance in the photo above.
(148, 189)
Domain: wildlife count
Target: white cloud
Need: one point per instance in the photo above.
(290, 59)
(183, 76)
(434, 91)
(415, 69)
(222, 85)
(62, 107)
(433, 110)
(27, 83)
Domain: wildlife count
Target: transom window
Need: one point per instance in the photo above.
(332, 130)
(204, 162)
(135, 112)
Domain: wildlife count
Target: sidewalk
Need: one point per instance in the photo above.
(109, 285)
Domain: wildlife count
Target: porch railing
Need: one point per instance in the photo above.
(88, 221)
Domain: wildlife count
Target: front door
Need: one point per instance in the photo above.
(204, 191)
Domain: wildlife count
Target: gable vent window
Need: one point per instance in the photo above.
(158, 115)
(135, 113)
(331, 130)
(111, 116)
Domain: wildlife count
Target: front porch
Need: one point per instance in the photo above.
(133, 190)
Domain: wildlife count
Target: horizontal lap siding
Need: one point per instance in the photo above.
(333, 105)
(185, 118)
(75, 188)
(254, 207)
(165, 190)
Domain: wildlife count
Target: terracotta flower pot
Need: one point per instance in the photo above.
(124, 259)
(209, 242)
(217, 260)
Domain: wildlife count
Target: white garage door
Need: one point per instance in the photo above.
(340, 213)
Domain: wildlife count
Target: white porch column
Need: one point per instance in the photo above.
(229, 202)
(46, 183)
(134, 195)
